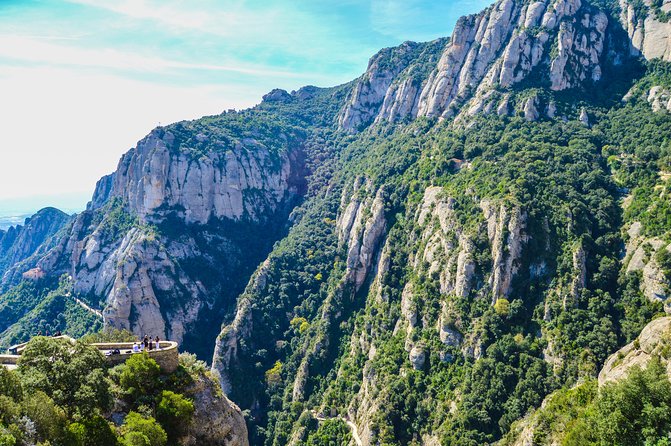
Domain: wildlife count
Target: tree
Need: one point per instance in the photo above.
(139, 376)
(174, 412)
(330, 433)
(73, 374)
(93, 431)
(140, 431)
(274, 375)
(10, 385)
(50, 420)
(502, 307)
(636, 410)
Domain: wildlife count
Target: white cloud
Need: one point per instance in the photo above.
(36, 50)
(162, 11)
(284, 27)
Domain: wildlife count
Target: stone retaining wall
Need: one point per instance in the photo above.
(9, 359)
(167, 357)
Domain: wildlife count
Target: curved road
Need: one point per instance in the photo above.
(84, 305)
(352, 426)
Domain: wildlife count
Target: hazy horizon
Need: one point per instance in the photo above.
(83, 80)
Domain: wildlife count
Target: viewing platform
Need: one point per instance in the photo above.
(166, 356)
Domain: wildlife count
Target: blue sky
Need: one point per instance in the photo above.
(82, 80)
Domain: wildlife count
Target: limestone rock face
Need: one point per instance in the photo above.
(156, 178)
(102, 192)
(505, 229)
(659, 98)
(487, 53)
(218, 421)
(444, 236)
(277, 95)
(154, 250)
(579, 272)
(140, 278)
(655, 337)
(417, 357)
(19, 243)
(530, 109)
(579, 51)
(649, 36)
(371, 89)
(361, 227)
(640, 256)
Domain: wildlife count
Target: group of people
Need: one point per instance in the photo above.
(147, 344)
(55, 335)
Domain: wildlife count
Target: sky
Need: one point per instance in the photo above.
(81, 81)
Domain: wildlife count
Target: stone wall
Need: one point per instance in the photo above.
(167, 358)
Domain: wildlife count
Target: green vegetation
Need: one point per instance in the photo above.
(636, 410)
(43, 307)
(632, 411)
(319, 344)
(568, 180)
(62, 393)
(330, 433)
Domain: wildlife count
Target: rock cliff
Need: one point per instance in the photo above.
(244, 180)
(648, 31)
(159, 249)
(19, 243)
(560, 41)
(654, 340)
(217, 420)
(641, 253)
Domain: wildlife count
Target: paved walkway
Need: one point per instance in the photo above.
(85, 306)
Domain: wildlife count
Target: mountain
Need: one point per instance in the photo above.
(19, 242)
(421, 256)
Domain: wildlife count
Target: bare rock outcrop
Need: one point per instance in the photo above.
(417, 357)
(579, 51)
(487, 53)
(371, 89)
(649, 36)
(218, 421)
(505, 229)
(158, 177)
(653, 340)
(659, 98)
(361, 227)
(120, 252)
(18, 243)
(640, 256)
(531, 109)
(444, 239)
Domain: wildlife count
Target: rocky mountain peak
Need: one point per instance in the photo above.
(561, 42)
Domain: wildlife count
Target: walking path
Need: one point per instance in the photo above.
(352, 426)
(85, 306)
